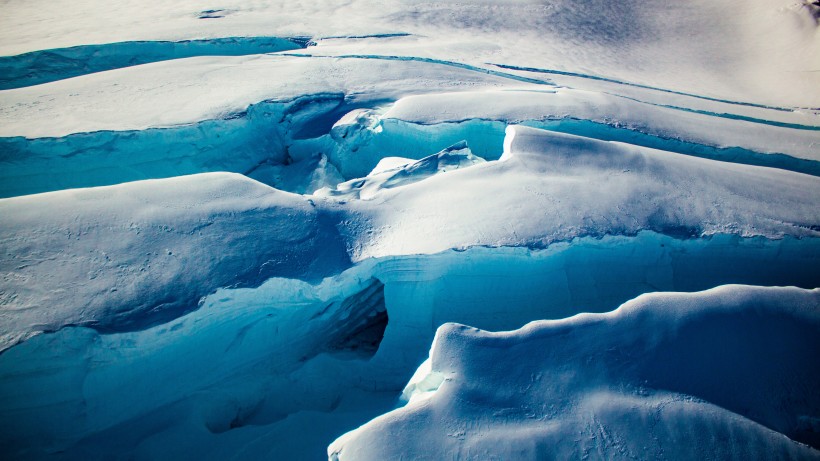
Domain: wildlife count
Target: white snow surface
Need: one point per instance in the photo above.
(666, 122)
(105, 256)
(719, 374)
(184, 91)
(551, 187)
(285, 292)
(761, 50)
(110, 255)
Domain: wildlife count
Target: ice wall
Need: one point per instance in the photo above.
(413, 164)
(289, 357)
(43, 66)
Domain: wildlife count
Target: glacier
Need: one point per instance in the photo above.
(260, 230)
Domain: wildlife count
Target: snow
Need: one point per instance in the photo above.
(769, 47)
(519, 106)
(86, 256)
(233, 230)
(554, 187)
(184, 91)
(276, 363)
(121, 257)
(720, 372)
(57, 64)
(398, 172)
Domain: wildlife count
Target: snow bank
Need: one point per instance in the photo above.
(128, 256)
(767, 48)
(762, 131)
(716, 374)
(386, 177)
(554, 187)
(183, 91)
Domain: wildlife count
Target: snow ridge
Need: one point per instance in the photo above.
(662, 375)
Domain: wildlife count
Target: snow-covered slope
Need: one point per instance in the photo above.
(550, 187)
(720, 374)
(762, 50)
(122, 257)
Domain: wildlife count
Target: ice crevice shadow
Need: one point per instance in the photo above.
(301, 145)
(44, 66)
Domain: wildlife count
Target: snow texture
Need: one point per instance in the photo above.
(86, 256)
(720, 374)
(231, 230)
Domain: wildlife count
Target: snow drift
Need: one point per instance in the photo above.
(230, 231)
(721, 374)
(119, 257)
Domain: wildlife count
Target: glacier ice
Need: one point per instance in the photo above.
(711, 375)
(321, 139)
(43, 66)
(255, 360)
(92, 257)
(233, 231)
(407, 172)
(373, 323)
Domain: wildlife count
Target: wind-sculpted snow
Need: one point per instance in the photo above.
(127, 256)
(692, 125)
(185, 91)
(281, 369)
(218, 244)
(551, 187)
(721, 374)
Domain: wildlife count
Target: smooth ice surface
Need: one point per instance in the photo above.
(719, 374)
